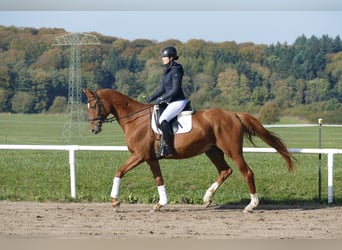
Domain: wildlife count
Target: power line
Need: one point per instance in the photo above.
(72, 127)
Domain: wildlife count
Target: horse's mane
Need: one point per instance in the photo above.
(121, 95)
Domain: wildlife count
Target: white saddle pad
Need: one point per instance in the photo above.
(184, 123)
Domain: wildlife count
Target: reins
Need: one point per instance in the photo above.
(111, 119)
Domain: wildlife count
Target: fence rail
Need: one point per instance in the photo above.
(73, 148)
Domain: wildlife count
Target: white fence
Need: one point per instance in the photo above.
(73, 148)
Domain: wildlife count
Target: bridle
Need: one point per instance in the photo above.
(99, 118)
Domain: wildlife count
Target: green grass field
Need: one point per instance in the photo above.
(44, 175)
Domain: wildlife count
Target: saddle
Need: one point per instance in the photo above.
(182, 123)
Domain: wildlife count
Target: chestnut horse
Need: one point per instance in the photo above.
(215, 132)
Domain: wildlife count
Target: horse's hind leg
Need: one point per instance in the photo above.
(217, 157)
(248, 176)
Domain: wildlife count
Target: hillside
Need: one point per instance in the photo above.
(303, 79)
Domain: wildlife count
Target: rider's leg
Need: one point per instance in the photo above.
(172, 109)
(168, 138)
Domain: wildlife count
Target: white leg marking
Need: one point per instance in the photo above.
(210, 192)
(162, 195)
(253, 204)
(115, 188)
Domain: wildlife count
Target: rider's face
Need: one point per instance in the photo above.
(166, 60)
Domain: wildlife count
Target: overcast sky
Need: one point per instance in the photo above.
(217, 20)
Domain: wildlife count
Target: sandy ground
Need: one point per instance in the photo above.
(30, 220)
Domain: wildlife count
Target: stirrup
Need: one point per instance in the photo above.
(160, 149)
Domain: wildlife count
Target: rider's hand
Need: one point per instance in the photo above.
(148, 99)
(159, 100)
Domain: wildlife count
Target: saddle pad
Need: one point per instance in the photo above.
(184, 123)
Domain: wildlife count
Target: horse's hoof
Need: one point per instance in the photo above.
(156, 207)
(207, 204)
(115, 204)
(247, 210)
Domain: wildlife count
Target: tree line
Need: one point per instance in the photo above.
(302, 79)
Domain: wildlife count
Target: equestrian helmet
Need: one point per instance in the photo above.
(170, 52)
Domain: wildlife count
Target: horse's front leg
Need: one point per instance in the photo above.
(130, 163)
(155, 168)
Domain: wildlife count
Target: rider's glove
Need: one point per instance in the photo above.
(159, 100)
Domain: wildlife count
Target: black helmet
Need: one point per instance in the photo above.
(170, 52)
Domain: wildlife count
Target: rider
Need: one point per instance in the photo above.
(170, 92)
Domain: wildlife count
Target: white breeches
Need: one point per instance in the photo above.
(172, 109)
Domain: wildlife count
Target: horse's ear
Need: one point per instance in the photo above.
(89, 93)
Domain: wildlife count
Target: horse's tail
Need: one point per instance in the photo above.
(253, 127)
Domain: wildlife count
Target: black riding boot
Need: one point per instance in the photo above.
(168, 139)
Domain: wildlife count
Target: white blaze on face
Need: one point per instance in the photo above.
(88, 105)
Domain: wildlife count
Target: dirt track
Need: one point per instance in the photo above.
(29, 220)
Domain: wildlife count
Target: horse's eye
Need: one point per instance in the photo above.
(91, 106)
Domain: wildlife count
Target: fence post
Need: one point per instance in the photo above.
(72, 161)
(320, 122)
(330, 177)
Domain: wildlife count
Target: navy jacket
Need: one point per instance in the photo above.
(171, 87)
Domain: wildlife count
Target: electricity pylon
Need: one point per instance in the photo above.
(72, 127)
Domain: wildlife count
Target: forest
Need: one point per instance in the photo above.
(303, 79)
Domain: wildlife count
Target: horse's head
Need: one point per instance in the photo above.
(96, 111)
